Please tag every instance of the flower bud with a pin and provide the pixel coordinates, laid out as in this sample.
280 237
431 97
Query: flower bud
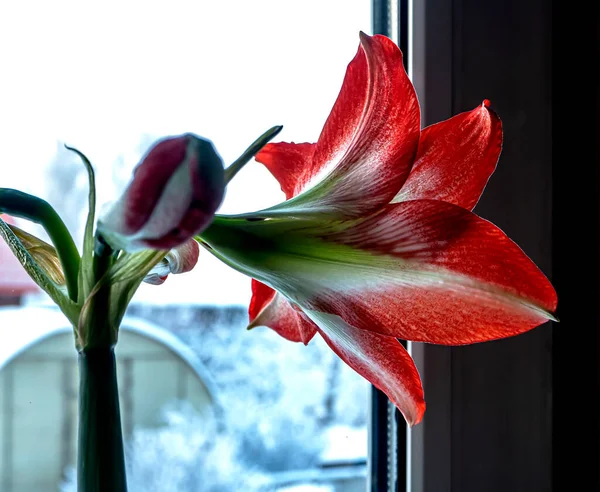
174 194
179 260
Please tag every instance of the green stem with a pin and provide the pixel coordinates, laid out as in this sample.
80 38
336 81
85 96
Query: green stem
100 460
19 204
250 152
98 332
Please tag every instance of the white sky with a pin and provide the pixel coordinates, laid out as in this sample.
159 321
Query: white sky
100 76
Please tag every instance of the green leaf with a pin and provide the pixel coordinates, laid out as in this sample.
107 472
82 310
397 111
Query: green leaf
33 208
45 254
38 274
124 277
86 274
134 266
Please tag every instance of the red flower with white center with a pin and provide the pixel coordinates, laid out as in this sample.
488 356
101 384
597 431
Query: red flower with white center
376 240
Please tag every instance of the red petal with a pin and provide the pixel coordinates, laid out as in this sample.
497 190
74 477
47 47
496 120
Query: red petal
455 159
154 279
150 178
380 359
183 258
368 144
193 222
288 163
445 276
262 295
373 130
207 177
269 308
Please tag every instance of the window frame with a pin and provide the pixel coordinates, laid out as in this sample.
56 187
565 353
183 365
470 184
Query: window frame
522 413
388 433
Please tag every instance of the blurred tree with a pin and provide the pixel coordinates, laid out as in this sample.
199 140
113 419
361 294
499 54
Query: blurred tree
277 397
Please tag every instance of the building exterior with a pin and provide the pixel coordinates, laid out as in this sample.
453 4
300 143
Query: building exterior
38 390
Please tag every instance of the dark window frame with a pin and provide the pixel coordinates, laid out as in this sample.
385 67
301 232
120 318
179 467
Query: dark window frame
521 414
387 456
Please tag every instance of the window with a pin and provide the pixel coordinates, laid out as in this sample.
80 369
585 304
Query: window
519 414
205 405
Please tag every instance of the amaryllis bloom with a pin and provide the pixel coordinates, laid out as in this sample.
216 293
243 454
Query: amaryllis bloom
181 259
174 194
376 241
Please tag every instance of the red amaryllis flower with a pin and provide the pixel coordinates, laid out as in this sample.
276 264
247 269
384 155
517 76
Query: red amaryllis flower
377 240
174 194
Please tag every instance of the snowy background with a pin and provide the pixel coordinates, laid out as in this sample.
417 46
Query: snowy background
110 79
295 416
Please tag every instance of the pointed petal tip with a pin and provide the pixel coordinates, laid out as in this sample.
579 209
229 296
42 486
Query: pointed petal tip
548 310
486 109
411 421
367 41
413 415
